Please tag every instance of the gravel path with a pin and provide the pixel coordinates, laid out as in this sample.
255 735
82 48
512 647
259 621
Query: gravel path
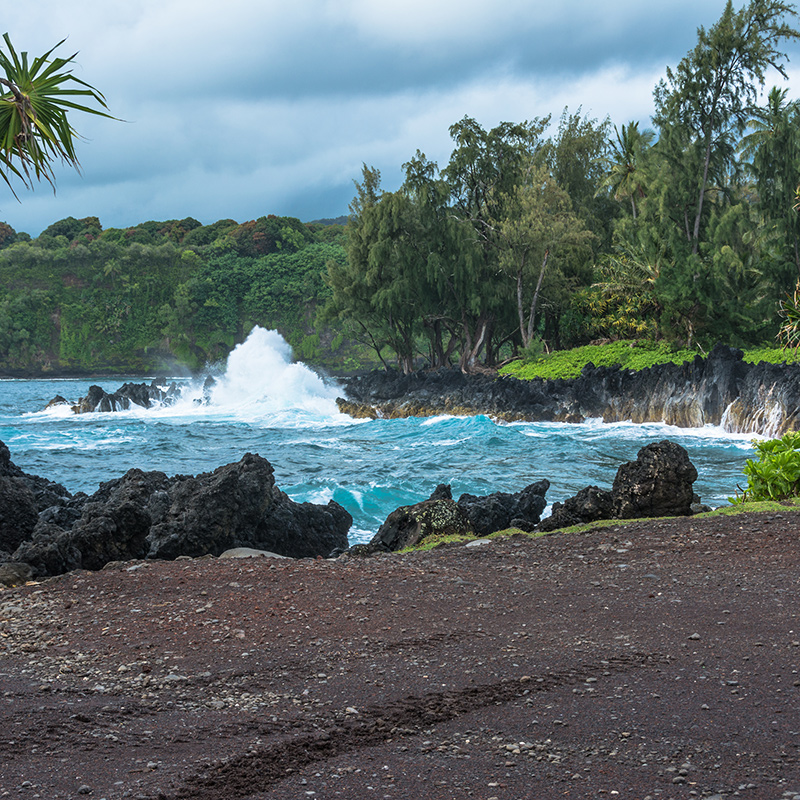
651 660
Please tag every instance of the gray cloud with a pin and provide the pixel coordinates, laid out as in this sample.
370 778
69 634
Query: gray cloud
245 108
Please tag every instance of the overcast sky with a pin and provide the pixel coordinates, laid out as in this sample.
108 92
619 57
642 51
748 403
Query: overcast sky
245 108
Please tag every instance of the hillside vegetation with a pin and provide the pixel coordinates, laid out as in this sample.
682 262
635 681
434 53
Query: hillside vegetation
161 295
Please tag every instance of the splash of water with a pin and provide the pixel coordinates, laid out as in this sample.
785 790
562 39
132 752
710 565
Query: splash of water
260 377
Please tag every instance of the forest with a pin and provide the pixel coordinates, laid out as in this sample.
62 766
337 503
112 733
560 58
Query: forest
535 236
160 296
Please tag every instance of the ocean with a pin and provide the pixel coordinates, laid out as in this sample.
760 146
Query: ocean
263 403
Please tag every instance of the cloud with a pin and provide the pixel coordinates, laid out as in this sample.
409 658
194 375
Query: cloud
251 107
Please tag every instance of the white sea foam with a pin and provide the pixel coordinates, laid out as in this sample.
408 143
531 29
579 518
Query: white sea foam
261 377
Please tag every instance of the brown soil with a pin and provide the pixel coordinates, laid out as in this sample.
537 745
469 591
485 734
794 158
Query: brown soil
655 660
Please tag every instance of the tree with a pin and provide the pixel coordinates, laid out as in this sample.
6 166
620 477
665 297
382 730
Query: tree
709 97
540 230
772 152
483 170
625 176
381 288
35 102
576 155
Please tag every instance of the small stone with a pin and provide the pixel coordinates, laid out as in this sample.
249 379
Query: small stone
84 789
695 636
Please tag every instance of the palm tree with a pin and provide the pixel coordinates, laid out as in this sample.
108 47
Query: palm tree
767 124
35 98
771 151
625 174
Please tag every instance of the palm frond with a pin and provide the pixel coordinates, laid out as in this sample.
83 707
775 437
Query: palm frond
35 100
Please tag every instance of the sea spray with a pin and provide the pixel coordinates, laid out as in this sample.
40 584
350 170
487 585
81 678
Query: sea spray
260 375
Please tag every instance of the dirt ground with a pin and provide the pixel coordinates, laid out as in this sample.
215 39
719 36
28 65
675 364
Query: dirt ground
654 660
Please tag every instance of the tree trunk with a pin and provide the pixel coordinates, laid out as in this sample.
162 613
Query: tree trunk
535 301
374 345
473 346
520 312
440 355
699 214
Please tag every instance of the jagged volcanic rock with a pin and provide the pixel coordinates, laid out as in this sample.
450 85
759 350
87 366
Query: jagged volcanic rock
409 525
22 498
129 394
658 484
148 515
588 505
501 510
440 515
718 390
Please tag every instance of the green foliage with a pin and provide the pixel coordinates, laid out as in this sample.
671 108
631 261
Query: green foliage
634 355
776 473
625 354
81 298
771 355
789 332
36 97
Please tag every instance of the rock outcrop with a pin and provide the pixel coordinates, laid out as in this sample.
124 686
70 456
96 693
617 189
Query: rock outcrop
472 515
719 390
22 498
588 505
407 526
148 515
658 484
501 510
129 394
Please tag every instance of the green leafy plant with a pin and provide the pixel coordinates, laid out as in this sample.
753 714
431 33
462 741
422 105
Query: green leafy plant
771 355
775 475
789 333
35 98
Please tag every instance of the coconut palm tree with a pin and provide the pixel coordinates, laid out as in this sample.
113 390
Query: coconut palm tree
35 99
771 151
625 175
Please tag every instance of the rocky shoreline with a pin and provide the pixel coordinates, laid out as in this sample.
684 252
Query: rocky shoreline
721 389
46 531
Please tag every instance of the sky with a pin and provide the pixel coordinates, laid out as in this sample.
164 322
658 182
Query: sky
244 108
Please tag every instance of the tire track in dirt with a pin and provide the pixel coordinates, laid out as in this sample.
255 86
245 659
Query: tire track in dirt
323 738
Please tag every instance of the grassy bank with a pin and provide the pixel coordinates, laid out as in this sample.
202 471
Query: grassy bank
627 354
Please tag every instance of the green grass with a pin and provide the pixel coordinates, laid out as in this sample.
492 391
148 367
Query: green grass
772 355
431 542
627 354
569 363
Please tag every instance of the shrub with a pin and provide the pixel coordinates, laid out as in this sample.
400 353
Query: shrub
776 473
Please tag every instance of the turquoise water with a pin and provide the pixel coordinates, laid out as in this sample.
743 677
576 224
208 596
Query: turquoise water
265 404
